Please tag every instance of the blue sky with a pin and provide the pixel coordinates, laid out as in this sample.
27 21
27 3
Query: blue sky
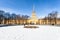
24 7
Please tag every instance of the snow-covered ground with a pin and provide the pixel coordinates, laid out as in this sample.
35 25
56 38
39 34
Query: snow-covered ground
44 32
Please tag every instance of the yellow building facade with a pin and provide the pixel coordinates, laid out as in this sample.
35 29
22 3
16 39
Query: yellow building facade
32 20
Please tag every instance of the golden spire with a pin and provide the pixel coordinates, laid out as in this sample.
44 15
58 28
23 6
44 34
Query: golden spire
33 13
33 17
33 9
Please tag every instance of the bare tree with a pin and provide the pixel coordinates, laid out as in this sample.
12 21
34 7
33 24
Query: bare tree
1 16
26 18
52 16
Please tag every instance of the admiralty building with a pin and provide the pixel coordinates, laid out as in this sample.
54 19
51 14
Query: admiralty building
33 20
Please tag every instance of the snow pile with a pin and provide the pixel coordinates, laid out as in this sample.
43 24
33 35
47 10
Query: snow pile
45 32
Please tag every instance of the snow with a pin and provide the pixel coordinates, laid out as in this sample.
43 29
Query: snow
44 32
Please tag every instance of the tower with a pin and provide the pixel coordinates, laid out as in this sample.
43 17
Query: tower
33 13
33 18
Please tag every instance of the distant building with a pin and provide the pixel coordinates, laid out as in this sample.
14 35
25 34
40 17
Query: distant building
33 20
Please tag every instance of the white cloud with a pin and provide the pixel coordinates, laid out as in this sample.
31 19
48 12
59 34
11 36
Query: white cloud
58 16
11 10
